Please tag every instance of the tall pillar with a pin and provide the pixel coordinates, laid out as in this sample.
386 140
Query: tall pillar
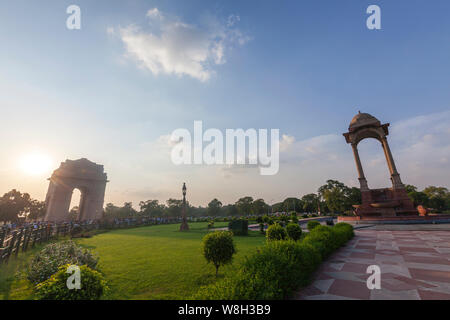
361 177
395 177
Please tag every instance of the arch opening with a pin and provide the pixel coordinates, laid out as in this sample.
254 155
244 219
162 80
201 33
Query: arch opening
373 161
76 205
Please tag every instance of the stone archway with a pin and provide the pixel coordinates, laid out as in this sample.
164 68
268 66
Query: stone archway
84 175
386 201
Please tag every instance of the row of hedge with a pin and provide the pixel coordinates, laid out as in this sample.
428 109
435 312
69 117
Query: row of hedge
279 267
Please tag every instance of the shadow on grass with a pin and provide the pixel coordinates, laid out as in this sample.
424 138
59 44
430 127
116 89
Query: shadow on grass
206 279
13 276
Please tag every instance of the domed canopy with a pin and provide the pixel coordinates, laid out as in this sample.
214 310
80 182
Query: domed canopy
363 119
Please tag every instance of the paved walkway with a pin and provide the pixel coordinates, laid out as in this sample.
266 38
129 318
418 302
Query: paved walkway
415 265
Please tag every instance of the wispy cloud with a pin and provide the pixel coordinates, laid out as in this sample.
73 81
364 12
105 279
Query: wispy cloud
170 46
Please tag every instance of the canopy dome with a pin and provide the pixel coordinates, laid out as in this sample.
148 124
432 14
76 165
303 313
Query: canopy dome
363 119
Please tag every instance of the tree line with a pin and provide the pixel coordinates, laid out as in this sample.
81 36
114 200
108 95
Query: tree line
334 197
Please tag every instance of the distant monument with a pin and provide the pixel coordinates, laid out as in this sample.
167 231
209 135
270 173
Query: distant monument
385 202
81 174
184 225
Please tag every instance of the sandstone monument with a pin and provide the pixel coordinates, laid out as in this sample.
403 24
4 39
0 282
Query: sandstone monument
81 174
386 202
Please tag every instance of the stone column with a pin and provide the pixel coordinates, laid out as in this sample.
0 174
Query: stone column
361 177
395 177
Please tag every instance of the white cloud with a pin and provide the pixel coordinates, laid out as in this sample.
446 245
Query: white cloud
173 47
154 13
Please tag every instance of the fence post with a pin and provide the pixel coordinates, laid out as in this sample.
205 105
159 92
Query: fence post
41 233
18 242
34 235
10 246
26 240
2 237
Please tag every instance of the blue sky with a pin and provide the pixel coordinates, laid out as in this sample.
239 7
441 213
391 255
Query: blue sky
305 67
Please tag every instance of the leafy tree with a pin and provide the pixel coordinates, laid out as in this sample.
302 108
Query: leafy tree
219 248
259 207
410 188
354 196
214 207
278 207
244 205
151 208
174 207
36 209
310 202
126 211
336 195
14 205
292 204
230 210
437 197
418 198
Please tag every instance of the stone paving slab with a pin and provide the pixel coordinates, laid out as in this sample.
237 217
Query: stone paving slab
415 265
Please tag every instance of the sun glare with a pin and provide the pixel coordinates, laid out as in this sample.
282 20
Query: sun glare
35 164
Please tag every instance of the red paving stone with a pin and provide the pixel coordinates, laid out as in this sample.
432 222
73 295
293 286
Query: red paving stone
415 248
349 289
365 247
355 267
427 260
360 255
433 295
430 275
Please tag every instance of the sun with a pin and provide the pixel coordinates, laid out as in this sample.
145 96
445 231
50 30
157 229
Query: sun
35 163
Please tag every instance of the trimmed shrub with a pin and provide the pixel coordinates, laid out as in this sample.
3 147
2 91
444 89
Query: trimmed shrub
343 232
294 232
276 232
323 239
278 268
294 218
93 286
211 224
285 219
218 248
238 227
273 272
55 255
312 224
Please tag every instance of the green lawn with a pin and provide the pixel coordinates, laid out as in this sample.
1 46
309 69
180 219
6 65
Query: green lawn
155 262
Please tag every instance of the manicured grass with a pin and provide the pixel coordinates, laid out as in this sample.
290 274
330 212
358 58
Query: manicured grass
159 262
13 283
155 262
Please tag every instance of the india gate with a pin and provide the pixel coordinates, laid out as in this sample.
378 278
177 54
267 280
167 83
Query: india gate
84 175
387 202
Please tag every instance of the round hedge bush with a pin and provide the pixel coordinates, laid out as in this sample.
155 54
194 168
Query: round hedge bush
55 255
93 286
276 232
218 248
312 224
294 231
323 238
